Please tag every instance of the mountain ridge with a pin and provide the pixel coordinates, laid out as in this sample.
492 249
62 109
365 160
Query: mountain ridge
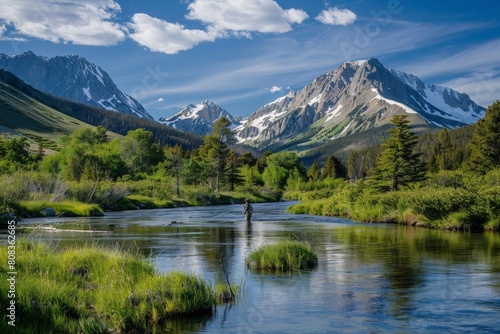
355 97
72 77
198 118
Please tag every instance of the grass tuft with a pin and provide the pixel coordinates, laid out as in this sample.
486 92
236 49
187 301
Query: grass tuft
285 255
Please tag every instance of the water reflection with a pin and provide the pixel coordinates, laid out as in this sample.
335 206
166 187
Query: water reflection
370 278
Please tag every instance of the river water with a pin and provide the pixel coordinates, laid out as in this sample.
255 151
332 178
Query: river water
370 278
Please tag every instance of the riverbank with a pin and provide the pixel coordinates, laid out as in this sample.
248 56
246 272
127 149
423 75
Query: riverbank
89 289
74 208
441 204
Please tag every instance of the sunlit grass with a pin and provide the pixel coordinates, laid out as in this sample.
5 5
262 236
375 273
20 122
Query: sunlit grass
65 208
95 290
283 256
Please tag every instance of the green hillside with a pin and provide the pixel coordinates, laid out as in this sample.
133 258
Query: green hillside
27 111
21 114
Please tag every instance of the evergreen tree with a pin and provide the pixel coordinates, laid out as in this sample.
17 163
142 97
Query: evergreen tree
233 170
334 168
398 165
215 149
485 143
444 148
314 173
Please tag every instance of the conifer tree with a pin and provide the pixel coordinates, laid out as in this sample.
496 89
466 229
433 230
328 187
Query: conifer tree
398 165
233 174
215 150
485 143
444 148
314 173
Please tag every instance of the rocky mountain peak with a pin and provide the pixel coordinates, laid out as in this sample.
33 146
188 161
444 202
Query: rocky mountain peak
72 77
356 96
198 118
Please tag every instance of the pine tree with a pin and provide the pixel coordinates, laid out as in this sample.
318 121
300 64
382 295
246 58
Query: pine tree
444 148
485 143
398 165
215 150
333 167
314 173
233 170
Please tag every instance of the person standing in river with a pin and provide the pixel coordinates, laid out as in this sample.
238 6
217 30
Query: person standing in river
247 211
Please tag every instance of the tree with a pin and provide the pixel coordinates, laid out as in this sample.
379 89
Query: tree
174 162
398 165
444 146
485 142
140 151
233 170
195 172
279 167
215 149
334 168
314 173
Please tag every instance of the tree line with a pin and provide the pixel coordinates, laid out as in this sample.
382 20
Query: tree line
90 157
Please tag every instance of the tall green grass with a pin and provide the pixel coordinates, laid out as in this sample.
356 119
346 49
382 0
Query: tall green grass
65 208
96 290
283 256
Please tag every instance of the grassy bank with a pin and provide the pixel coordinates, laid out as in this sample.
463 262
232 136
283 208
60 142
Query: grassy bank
283 256
472 204
63 208
96 290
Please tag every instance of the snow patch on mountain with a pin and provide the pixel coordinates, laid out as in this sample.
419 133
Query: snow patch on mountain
407 109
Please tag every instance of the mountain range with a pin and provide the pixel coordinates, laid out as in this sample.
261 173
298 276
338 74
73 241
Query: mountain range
355 98
353 104
199 118
72 77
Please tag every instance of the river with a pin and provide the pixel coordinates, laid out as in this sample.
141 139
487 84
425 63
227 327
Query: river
370 278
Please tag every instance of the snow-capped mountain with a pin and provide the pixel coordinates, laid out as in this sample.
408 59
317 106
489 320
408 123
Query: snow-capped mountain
199 118
356 97
72 77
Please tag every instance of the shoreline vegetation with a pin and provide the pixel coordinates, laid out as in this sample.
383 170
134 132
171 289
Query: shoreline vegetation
90 289
447 200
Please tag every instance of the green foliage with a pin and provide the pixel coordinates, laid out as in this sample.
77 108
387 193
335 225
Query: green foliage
285 255
314 173
398 165
215 150
140 152
62 208
449 200
232 171
280 166
92 288
485 147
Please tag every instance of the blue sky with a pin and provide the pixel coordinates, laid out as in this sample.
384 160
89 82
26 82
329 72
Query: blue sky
242 54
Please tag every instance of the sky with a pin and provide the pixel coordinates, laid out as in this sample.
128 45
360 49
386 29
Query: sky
242 54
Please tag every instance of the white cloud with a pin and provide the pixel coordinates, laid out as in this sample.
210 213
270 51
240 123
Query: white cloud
162 36
264 16
86 22
275 89
160 99
336 16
